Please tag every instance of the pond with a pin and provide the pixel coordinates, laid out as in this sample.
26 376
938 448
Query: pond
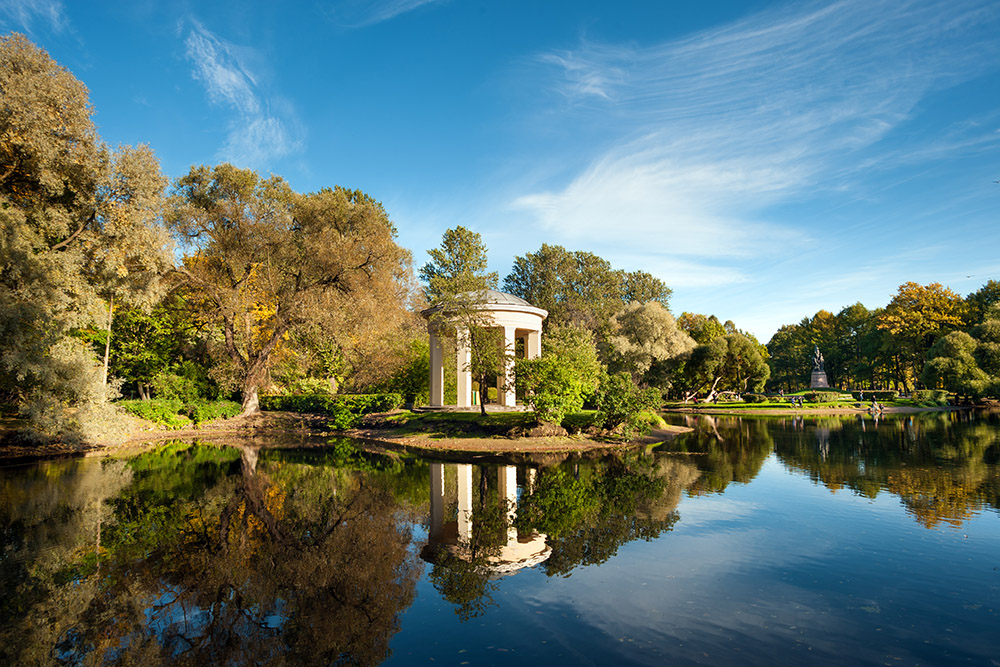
749 541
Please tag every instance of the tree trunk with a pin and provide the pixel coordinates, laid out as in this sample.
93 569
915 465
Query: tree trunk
107 342
251 402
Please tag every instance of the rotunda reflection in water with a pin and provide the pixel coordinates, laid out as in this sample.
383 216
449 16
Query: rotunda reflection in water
482 533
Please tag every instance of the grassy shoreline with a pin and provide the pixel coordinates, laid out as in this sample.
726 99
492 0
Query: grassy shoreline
438 433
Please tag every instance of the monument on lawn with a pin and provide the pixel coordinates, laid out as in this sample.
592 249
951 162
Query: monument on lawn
818 379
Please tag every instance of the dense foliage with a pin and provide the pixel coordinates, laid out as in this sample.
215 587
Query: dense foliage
926 337
568 372
344 408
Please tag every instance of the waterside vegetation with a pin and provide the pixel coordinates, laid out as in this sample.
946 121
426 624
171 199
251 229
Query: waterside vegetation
226 292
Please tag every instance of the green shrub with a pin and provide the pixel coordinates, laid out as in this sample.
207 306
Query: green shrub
202 411
754 398
311 386
174 413
930 397
650 420
187 381
345 409
821 396
875 395
162 411
619 402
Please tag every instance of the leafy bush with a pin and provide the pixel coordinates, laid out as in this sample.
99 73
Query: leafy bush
754 398
821 396
202 411
871 394
619 402
174 413
650 420
162 411
311 386
567 373
345 409
187 381
930 397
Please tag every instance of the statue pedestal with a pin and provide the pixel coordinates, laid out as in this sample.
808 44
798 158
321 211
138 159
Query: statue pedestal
819 381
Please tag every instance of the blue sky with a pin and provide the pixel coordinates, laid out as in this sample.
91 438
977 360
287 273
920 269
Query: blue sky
766 160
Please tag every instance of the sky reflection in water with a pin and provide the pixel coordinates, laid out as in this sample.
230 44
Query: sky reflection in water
770 541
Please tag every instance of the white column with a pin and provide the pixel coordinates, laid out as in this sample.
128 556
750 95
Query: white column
463 357
437 501
533 345
437 371
464 501
505 381
507 477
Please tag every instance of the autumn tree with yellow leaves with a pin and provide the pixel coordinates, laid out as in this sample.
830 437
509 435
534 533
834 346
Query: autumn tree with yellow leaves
263 262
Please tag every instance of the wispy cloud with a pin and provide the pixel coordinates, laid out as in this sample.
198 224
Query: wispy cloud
257 135
361 13
711 130
26 13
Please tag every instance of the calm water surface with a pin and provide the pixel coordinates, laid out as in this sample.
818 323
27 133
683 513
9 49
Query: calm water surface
749 541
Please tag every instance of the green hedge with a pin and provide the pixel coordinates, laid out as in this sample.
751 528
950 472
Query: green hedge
175 413
754 398
821 396
871 394
344 408
204 410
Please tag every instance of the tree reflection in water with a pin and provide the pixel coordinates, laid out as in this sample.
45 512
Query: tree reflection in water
215 556
941 465
568 515
198 554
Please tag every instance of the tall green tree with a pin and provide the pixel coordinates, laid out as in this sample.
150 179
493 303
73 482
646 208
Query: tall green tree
703 329
455 281
951 364
580 287
979 302
266 261
458 267
730 363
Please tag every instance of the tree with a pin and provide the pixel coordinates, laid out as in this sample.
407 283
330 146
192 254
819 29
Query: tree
80 228
456 281
988 351
951 364
916 317
457 267
644 335
730 363
579 287
701 328
980 301
266 261
568 371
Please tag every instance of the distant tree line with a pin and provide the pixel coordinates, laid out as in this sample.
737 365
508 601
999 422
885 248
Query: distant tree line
926 337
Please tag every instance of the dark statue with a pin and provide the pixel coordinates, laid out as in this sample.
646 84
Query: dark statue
817 360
